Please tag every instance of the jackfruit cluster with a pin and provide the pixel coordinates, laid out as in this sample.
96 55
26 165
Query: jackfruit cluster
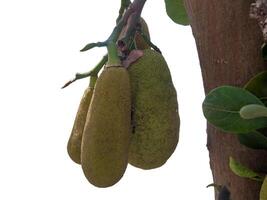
130 116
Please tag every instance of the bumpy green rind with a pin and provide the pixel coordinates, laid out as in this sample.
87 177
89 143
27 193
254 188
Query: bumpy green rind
155 115
139 40
75 140
107 131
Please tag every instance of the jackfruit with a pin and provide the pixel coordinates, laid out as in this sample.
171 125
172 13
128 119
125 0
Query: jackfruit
139 40
107 131
74 142
155 117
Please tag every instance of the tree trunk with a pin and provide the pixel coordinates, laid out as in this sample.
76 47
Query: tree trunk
228 44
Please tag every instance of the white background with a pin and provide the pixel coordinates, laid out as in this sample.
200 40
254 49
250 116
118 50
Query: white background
39 52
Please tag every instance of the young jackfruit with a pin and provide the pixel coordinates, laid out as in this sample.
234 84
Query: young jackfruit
107 131
74 143
155 116
139 40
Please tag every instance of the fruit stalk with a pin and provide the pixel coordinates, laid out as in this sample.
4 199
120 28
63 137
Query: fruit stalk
134 9
113 58
124 5
131 15
148 41
132 21
127 22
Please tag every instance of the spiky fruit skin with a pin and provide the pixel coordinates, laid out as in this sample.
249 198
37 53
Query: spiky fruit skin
155 116
75 140
107 132
139 41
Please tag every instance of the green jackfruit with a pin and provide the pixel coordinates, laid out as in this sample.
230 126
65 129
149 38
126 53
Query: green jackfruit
107 131
74 143
155 116
139 40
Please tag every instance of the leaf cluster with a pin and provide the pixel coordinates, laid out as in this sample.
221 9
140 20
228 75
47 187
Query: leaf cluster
243 112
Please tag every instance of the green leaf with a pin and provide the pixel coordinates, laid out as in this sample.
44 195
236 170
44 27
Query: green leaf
258 86
242 171
222 105
263 192
253 140
176 11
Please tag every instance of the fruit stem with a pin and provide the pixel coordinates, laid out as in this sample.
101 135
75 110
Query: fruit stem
113 58
132 15
99 66
130 30
129 12
148 41
124 5
93 80
93 72
133 18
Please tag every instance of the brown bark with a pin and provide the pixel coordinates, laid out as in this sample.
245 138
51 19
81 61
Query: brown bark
228 44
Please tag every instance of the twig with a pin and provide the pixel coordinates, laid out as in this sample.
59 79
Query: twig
93 45
93 72
133 12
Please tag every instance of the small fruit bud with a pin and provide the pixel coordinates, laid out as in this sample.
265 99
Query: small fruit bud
253 111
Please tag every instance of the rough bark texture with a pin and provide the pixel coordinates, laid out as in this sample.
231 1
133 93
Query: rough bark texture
258 11
228 44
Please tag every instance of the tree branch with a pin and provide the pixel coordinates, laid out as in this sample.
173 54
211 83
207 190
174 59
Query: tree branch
93 45
124 5
132 14
132 18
